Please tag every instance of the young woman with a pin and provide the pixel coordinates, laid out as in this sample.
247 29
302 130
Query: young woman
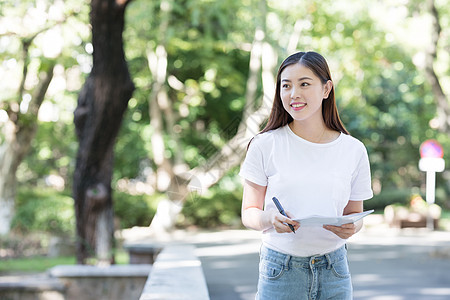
306 158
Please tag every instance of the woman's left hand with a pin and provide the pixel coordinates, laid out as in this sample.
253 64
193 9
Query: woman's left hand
344 231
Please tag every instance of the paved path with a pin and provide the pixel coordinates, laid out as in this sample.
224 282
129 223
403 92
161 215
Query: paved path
230 263
395 265
386 264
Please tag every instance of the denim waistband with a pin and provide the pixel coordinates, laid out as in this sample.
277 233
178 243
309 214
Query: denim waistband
317 260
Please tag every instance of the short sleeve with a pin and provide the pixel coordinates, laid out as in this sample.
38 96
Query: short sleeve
361 180
252 168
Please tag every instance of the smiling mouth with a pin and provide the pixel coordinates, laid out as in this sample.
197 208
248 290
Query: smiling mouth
298 105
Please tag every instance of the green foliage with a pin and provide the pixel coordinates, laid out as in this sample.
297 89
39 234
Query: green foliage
217 209
135 210
52 151
48 210
387 197
202 55
219 206
401 196
382 92
44 210
133 135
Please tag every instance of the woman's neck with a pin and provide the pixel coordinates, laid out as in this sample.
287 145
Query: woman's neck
316 133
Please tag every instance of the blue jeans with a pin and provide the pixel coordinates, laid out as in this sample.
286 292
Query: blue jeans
284 277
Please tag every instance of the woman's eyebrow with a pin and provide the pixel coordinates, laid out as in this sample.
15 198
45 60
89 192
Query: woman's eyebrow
300 79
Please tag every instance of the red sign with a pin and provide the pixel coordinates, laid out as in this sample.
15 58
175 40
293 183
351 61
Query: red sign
431 148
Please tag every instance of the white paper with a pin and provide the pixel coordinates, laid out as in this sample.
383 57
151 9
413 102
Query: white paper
337 221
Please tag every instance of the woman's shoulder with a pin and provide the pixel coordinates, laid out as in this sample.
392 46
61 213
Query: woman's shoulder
353 143
266 138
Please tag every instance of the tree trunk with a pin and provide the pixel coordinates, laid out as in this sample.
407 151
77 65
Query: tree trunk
443 109
18 132
98 116
167 177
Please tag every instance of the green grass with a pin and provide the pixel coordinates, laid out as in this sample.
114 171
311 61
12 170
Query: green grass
34 264
42 263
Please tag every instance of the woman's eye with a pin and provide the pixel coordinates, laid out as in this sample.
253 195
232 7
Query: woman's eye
304 84
285 86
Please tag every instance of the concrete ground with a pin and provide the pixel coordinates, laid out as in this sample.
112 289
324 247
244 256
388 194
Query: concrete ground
386 264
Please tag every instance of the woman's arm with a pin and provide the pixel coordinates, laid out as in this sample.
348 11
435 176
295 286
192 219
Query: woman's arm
255 217
347 230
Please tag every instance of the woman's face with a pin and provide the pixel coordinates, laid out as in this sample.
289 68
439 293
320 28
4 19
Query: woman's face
302 92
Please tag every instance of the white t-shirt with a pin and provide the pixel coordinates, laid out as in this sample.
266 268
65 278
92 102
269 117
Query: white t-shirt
308 179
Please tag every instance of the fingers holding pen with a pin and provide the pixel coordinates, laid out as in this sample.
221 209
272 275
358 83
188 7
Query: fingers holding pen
280 222
288 225
295 224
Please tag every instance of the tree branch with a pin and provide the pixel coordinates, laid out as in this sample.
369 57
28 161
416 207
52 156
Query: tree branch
49 26
41 89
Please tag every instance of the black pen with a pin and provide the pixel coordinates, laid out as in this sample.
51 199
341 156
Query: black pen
281 210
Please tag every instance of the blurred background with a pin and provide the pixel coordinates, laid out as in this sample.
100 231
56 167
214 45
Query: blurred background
204 72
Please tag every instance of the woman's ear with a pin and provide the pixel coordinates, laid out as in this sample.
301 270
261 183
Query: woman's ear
327 89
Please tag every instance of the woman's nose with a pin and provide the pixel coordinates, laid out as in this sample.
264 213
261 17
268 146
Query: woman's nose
295 94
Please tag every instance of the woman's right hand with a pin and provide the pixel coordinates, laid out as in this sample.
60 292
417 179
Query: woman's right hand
255 217
279 222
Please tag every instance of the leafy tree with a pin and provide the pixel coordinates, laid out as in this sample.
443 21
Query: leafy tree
25 91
